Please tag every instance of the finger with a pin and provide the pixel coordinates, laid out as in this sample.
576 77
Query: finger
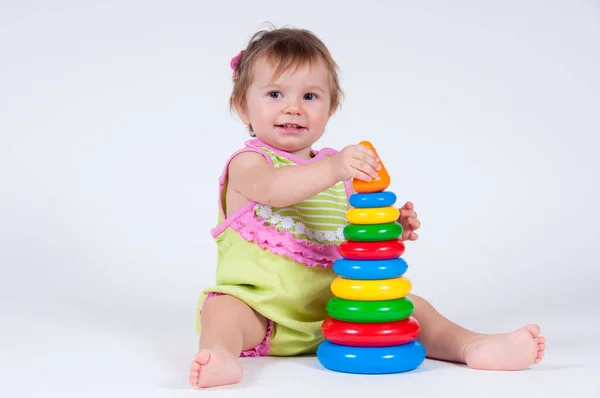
360 175
366 168
409 235
408 206
362 148
408 213
365 154
414 223
368 157
410 224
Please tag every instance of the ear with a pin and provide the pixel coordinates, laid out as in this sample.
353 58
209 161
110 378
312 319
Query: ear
333 110
241 111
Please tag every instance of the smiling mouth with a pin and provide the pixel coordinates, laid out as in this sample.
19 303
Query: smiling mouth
290 126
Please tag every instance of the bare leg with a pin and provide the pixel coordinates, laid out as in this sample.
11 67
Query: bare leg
229 326
447 341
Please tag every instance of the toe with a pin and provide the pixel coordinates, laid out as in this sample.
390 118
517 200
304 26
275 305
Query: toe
541 346
538 356
194 379
202 357
541 339
195 366
534 330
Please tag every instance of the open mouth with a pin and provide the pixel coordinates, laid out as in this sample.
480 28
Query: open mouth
290 127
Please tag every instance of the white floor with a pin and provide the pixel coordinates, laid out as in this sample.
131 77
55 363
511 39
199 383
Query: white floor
62 348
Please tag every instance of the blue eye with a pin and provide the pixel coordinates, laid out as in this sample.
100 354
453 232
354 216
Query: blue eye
274 94
310 96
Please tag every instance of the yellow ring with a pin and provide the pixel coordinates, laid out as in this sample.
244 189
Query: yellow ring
372 215
371 290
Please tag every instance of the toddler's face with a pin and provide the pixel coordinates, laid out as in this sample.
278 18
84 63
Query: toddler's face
291 112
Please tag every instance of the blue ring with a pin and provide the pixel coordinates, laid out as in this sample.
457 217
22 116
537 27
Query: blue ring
371 360
370 269
370 200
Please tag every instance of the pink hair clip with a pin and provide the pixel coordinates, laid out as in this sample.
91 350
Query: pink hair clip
233 64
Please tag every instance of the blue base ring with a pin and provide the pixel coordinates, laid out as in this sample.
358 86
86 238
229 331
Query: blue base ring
371 360
375 199
370 269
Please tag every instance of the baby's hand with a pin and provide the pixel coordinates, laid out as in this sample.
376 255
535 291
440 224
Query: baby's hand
409 221
356 161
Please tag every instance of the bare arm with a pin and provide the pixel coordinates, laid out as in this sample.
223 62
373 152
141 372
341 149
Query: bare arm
252 177
255 179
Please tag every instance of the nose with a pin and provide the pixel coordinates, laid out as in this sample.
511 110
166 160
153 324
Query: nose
293 107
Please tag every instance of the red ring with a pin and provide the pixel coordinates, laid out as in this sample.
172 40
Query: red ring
378 250
383 334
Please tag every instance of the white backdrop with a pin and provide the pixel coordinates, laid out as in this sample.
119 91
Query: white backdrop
114 127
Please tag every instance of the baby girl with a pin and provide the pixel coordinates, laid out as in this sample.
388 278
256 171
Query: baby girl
282 206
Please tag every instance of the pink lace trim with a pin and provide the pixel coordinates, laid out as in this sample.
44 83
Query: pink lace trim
284 243
260 350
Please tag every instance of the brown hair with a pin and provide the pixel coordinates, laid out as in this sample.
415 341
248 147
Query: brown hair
286 48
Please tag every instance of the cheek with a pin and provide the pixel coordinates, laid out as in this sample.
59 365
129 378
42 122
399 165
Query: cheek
320 113
261 112
268 108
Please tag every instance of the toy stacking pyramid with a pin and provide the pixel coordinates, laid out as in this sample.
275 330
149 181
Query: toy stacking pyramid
370 328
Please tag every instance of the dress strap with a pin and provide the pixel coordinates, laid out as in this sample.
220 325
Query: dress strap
348 186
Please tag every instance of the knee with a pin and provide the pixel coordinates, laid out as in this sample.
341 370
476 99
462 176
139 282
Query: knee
418 300
415 297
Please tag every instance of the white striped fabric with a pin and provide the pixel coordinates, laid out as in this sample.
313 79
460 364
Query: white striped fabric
320 219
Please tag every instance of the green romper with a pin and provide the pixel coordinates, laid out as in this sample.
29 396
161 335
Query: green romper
279 260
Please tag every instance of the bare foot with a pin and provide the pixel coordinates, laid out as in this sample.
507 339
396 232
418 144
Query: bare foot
215 367
509 351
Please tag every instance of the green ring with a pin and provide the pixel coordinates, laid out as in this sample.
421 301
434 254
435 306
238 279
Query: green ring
373 232
370 311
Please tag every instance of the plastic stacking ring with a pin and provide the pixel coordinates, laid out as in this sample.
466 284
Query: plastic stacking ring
373 232
382 289
383 250
376 215
370 334
370 269
371 360
370 311
375 199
